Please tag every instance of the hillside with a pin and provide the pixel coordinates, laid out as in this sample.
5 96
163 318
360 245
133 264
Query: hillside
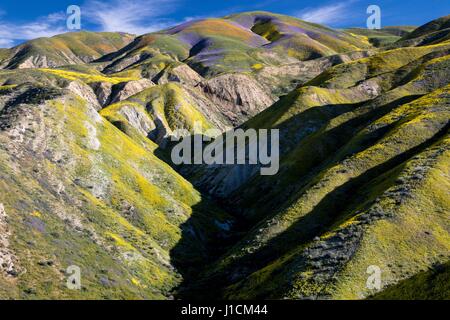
88 195
86 121
236 43
384 36
427 285
374 130
440 24
69 48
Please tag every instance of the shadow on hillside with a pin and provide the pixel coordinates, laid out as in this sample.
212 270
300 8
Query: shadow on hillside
317 151
333 207
205 236
202 242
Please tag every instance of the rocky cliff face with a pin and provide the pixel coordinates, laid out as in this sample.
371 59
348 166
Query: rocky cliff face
181 73
240 97
125 90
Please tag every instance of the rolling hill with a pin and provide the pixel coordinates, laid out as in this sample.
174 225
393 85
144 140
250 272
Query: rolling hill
384 36
69 48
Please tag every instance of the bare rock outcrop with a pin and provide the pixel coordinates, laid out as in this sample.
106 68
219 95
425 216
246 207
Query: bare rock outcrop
34 62
239 96
123 91
284 78
83 90
182 74
103 92
7 258
138 118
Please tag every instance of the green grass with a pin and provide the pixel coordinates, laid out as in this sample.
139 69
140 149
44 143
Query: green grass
362 149
108 179
88 78
167 103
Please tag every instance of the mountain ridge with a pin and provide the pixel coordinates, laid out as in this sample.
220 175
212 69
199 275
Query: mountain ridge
68 48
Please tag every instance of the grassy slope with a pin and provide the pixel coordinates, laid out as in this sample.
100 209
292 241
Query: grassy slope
433 26
150 54
426 285
61 77
214 46
68 48
86 194
434 32
276 26
337 147
167 103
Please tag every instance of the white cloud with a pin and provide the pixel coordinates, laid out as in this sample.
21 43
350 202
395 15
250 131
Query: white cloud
328 14
6 43
138 16
56 17
42 27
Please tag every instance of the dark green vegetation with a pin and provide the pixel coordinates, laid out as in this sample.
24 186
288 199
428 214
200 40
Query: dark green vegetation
86 178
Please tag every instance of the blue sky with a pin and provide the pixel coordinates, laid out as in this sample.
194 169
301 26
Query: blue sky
24 20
